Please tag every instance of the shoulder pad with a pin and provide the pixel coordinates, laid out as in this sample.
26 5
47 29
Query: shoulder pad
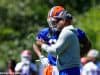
80 33
42 34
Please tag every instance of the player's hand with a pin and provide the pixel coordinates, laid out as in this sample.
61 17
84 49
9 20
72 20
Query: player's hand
44 61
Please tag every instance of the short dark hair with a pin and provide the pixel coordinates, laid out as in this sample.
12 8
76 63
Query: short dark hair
12 64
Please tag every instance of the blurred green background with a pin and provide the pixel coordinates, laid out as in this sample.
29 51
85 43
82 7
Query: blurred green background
20 20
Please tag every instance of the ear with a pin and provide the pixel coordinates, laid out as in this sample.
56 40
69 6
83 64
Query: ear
68 22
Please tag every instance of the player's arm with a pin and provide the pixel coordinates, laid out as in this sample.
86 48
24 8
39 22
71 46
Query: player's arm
59 46
43 59
37 50
41 35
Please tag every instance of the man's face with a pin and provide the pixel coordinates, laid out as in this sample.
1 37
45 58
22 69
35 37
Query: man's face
60 23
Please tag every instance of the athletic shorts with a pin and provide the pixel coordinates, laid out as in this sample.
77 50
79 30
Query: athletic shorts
50 70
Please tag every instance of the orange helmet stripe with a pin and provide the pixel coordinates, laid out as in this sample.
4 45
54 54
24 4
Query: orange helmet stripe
55 11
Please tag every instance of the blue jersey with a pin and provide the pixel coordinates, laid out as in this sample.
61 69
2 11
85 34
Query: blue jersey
49 37
80 33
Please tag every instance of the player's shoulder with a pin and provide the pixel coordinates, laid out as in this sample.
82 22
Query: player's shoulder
44 30
89 66
80 30
19 64
80 33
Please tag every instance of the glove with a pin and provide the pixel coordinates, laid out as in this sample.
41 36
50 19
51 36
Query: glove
44 61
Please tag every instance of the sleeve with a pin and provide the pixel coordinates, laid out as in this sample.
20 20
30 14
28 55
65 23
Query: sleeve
43 35
60 45
40 35
18 67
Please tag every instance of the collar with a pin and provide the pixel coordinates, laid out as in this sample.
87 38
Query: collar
69 27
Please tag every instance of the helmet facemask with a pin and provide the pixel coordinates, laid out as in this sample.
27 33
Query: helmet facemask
52 23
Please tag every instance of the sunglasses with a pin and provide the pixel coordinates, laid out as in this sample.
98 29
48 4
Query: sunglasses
54 21
58 19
